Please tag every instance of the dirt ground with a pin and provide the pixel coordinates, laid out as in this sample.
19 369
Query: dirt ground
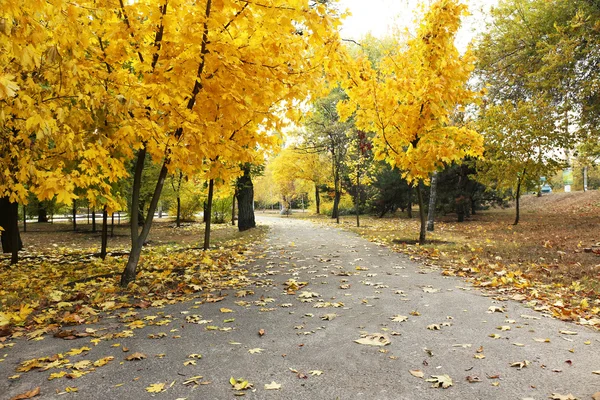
50 236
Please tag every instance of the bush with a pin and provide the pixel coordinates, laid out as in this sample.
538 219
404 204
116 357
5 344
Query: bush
346 206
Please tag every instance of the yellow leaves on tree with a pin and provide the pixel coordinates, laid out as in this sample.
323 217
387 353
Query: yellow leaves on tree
409 97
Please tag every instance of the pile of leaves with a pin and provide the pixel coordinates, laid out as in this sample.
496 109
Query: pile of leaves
49 290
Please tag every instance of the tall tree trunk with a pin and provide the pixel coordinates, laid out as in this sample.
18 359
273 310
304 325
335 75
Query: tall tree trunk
432 199
335 213
585 179
208 216
9 221
74 215
518 198
112 225
93 219
42 212
409 208
204 211
137 240
104 233
179 211
245 198
423 231
357 200
24 218
233 209
317 199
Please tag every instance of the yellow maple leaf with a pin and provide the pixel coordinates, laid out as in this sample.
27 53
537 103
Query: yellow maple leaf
155 388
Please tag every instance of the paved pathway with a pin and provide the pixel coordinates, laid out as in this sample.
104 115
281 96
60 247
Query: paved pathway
354 288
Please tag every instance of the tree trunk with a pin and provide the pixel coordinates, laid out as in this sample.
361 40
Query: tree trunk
432 199
233 209
74 215
112 225
335 212
24 218
585 179
208 216
245 197
204 211
104 233
9 221
42 213
423 230
317 199
518 198
93 219
409 210
357 200
179 211
137 240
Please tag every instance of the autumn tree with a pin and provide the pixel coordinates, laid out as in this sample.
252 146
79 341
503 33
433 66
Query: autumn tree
521 146
408 99
327 134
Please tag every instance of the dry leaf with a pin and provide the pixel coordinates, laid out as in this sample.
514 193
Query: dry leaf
520 364
417 373
596 396
328 317
155 388
27 395
566 332
443 381
493 309
261 332
315 372
556 396
255 351
272 386
433 327
135 356
375 339
473 379
399 318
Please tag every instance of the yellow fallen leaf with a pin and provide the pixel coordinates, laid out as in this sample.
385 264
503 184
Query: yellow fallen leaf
155 388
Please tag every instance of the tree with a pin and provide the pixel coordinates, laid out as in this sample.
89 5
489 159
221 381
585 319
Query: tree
245 197
328 134
522 145
407 101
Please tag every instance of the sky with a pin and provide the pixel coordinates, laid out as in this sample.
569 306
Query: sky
379 17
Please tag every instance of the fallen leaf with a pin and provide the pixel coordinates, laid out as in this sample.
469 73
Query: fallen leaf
315 372
399 318
473 379
479 356
375 339
542 340
417 373
519 344
596 372
556 396
520 364
226 310
566 332
255 351
443 381
596 396
135 356
27 395
493 309
83 364
240 383
495 336
433 327
272 386
261 332
155 388
195 355
328 317
189 362
193 380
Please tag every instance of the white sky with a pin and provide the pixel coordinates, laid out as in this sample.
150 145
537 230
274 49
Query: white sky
379 17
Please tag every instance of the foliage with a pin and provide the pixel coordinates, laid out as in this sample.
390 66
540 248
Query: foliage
346 206
392 191
408 100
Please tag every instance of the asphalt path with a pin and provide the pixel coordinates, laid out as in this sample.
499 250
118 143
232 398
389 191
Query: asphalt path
302 339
